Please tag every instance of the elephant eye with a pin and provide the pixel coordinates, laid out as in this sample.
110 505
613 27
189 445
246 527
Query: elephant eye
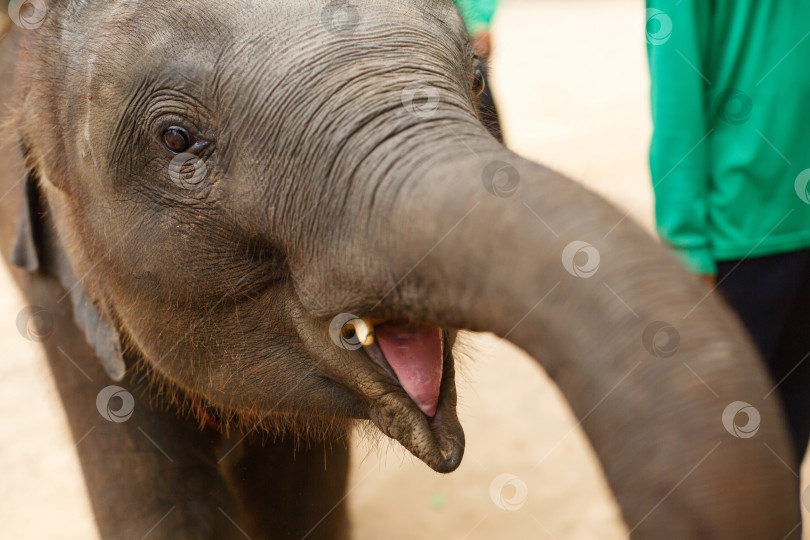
177 139
478 81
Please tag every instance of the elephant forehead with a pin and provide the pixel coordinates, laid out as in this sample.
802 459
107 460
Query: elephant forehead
122 40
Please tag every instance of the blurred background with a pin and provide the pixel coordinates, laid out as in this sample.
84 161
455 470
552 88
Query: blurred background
570 78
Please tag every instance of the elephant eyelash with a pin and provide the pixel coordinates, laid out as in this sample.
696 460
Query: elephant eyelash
197 142
155 127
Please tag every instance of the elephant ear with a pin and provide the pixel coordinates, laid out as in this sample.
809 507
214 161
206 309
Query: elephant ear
26 252
38 249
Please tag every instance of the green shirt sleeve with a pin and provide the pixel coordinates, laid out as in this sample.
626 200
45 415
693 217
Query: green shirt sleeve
677 31
477 14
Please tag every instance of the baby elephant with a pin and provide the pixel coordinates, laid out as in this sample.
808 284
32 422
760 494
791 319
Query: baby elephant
245 226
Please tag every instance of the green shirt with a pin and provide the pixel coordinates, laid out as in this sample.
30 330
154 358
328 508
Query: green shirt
730 152
477 14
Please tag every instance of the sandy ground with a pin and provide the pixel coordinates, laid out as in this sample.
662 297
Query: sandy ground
572 85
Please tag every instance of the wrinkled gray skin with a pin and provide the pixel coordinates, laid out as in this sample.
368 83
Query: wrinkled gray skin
325 194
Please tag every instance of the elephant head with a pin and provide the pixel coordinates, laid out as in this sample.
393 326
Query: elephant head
288 209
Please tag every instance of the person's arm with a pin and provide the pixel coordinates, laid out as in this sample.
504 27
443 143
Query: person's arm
677 32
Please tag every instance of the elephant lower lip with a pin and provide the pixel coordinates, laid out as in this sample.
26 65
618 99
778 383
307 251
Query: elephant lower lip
438 439
375 353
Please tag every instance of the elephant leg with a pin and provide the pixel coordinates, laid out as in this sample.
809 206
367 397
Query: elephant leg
150 474
288 490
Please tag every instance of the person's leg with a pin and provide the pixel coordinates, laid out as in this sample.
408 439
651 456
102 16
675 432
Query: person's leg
792 359
771 295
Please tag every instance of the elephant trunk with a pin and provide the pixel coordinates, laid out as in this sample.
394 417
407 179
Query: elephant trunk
654 367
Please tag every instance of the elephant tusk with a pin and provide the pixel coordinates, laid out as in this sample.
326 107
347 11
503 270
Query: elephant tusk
363 329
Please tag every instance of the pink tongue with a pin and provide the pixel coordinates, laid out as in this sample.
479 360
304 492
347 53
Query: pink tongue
415 354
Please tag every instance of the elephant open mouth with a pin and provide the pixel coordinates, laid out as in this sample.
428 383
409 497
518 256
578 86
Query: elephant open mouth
421 412
410 353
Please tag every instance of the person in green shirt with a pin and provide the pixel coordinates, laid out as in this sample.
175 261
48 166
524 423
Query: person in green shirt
478 16
730 164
